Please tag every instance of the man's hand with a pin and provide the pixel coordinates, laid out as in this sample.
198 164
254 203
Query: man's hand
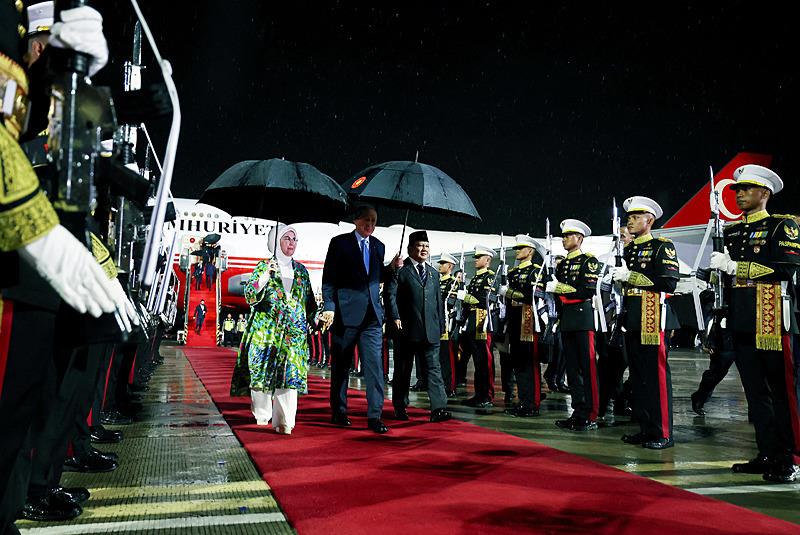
723 262
81 29
398 324
397 262
461 294
621 274
550 287
503 290
327 319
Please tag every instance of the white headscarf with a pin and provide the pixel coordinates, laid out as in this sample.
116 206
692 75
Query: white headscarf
284 262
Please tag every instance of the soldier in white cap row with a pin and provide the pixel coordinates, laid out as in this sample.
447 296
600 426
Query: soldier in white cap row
448 347
651 271
523 340
476 341
574 285
760 264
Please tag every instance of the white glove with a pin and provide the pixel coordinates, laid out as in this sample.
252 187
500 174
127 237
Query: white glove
608 277
126 309
81 29
550 287
723 262
68 266
621 274
503 290
461 294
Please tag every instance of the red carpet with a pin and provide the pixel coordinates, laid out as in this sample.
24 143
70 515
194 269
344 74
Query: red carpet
451 478
208 334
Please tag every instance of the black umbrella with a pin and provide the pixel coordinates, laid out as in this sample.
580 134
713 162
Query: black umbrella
212 238
277 189
413 186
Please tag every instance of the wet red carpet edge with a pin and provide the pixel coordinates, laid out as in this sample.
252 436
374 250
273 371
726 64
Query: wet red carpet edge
453 477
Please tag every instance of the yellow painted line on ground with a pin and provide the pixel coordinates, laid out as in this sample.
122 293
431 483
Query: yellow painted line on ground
111 493
681 465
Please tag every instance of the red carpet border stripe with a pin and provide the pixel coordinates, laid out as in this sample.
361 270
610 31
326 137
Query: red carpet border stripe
451 478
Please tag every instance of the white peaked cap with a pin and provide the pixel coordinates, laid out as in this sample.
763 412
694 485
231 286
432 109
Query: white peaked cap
523 240
40 17
446 257
575 225
482 250
757 175
642 204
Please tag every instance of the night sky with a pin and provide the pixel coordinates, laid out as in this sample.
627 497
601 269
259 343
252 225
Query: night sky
535 111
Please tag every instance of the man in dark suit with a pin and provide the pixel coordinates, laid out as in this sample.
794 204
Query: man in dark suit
199 316
353 310
416 308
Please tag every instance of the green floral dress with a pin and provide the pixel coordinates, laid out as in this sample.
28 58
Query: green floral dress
274 349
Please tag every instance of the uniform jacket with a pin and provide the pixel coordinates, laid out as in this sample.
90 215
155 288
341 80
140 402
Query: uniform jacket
476 302
521 279
653 263
577 275
418 306
347 289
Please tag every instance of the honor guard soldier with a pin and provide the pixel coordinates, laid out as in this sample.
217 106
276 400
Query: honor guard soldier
651 270
476 340
241 326
574 284
760 265
523 339
448 348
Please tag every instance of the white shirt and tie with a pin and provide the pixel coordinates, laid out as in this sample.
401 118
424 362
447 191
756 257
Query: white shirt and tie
422 272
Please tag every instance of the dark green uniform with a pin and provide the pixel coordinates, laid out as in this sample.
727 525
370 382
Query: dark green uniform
653 263
477 340
448 286
766 249
577 274
523 340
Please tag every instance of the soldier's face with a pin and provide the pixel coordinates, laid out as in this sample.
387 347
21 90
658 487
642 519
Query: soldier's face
419 251
749 198
445 268
365 225
482 261
639 223
524 253
571 241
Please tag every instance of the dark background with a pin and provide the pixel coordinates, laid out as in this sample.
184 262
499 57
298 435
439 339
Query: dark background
536 111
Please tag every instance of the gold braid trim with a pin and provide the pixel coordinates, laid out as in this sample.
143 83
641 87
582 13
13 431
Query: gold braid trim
638 279
651 318
752 270
470 300
514 294
445 336
562 288
480 322
11 71
526 329
768 315
26 223
103 257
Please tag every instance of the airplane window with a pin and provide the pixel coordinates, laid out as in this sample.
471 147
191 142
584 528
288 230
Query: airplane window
194 214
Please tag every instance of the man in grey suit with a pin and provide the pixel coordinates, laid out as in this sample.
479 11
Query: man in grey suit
416 308
353 310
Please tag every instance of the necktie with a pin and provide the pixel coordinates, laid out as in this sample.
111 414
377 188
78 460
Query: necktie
422 272
365 254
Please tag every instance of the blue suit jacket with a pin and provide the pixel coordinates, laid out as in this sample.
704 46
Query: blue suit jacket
346 288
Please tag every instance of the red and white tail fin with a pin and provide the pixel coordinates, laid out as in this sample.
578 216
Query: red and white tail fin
697 209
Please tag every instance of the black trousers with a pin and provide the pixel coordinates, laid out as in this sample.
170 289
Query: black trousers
770 381
507 376
421 369
29 369
527 371
611 365
405 354
481 353
652 385
448 350
581 360
557 368
718 366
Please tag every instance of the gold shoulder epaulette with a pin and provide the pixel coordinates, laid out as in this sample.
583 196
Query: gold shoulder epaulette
665 240
490 272
590 255
784 216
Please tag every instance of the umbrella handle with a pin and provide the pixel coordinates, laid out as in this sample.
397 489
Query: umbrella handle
403 236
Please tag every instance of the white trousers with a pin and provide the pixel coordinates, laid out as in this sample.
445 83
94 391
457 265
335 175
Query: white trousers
281 407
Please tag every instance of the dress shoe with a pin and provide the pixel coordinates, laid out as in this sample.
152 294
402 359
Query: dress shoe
76 495
524 412
697 405
101 435
658 443
341 419
400 414
376 425
115 418
441 415
90 463
451 393
419 387
508 399
782 473
461 384
564 389
110 455
50 508
542 396
637 438
580 426
760 465
566 423
139 388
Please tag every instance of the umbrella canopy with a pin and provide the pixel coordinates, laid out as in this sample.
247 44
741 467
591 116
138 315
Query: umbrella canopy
212 238
411 186
290 192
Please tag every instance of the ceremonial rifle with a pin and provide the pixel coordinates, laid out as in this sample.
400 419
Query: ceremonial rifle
459 319
714 337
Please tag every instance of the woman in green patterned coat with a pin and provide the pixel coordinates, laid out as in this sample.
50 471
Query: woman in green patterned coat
273 356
